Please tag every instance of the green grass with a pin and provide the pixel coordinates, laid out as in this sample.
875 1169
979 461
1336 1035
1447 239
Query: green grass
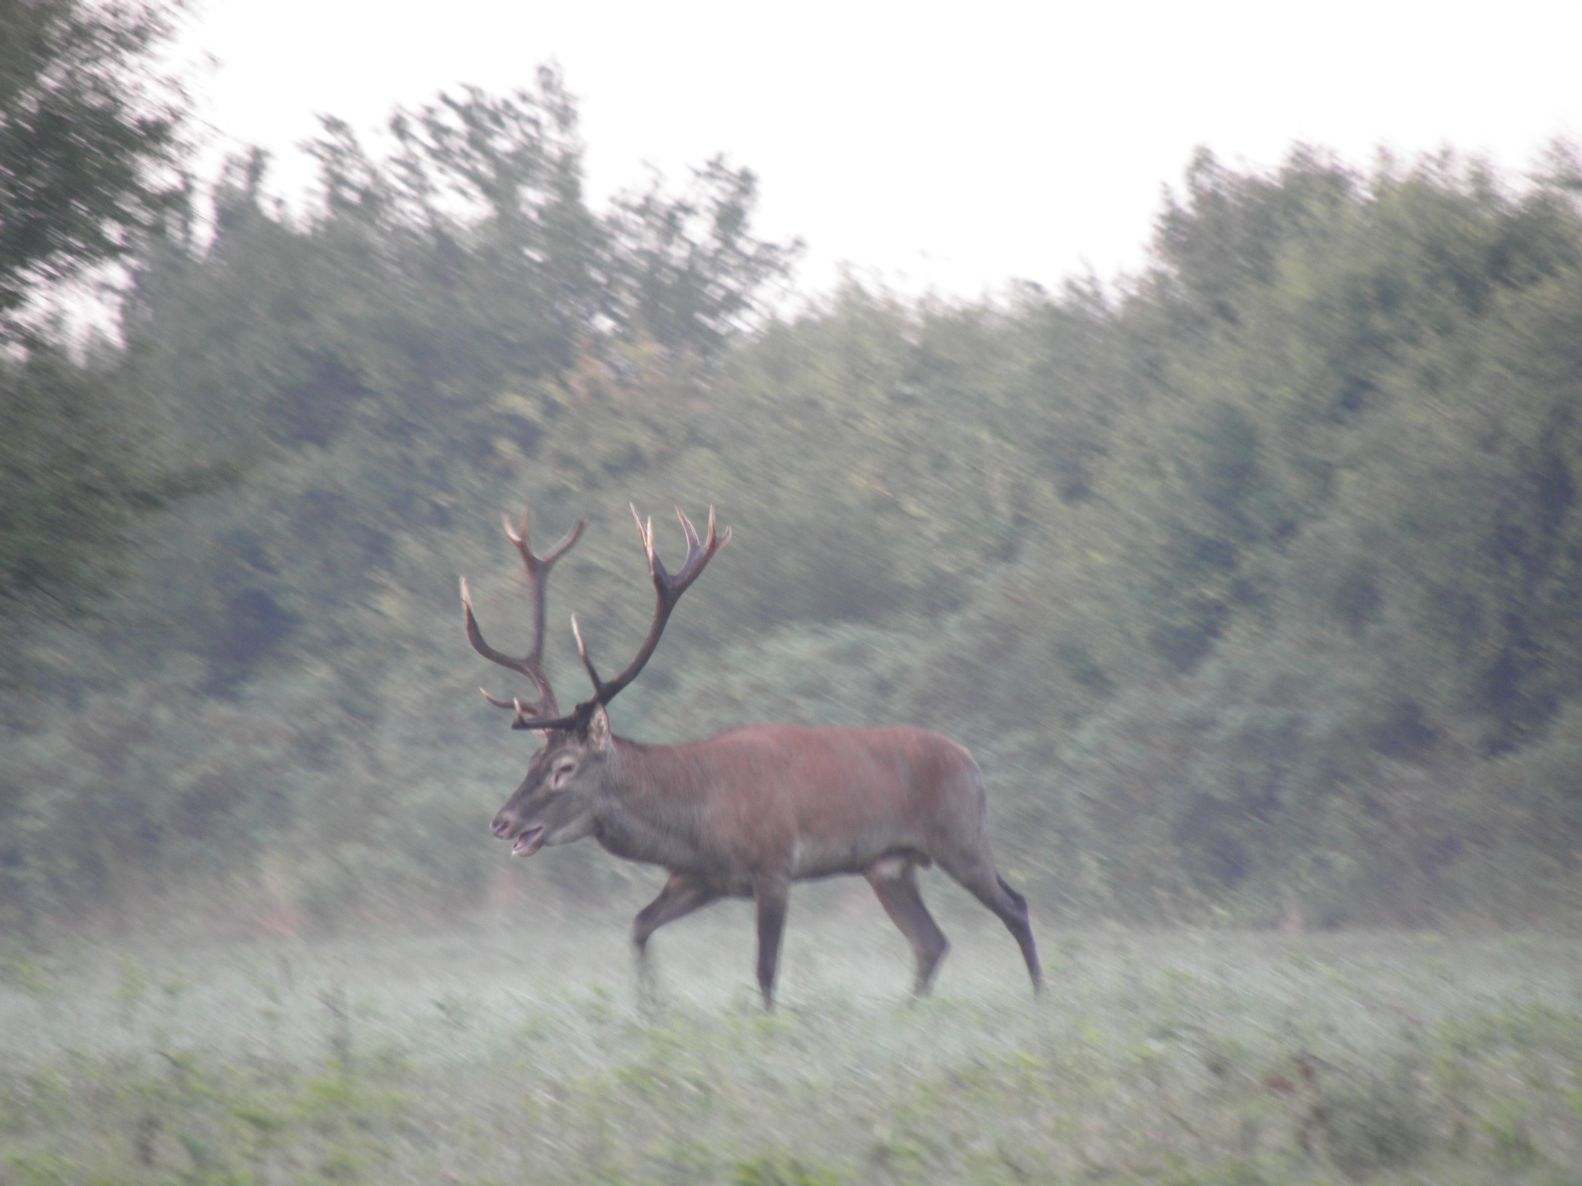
517 1052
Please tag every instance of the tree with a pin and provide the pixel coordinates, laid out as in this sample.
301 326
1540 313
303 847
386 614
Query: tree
90 142
90 135
686 270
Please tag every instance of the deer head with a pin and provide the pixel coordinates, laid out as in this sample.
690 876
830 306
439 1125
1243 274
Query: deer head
558 799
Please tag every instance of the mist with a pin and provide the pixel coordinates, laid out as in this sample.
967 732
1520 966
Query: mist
1196 566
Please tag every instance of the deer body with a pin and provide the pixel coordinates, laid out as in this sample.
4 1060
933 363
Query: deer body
750 811
789 800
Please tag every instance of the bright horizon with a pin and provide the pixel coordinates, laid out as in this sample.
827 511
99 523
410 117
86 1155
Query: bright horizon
934 155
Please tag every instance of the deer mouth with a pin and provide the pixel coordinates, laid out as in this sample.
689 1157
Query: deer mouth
528 842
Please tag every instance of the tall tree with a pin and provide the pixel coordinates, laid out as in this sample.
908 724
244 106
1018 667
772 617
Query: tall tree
90 135
685 269
90 142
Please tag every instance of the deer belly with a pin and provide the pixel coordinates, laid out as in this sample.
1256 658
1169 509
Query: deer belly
827 856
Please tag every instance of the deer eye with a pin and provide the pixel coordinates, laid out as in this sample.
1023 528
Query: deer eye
560 774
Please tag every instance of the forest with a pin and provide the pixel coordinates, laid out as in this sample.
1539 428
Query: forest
1251 578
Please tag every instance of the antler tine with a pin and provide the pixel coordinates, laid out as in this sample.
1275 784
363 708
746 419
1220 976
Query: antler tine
475 636
531 665
699 552
645 536
690 531
519 717
537 568
582 653
667 591
495 700
519 538
566 543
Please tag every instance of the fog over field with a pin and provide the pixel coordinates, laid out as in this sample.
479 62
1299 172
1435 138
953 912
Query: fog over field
1191 537
511 1053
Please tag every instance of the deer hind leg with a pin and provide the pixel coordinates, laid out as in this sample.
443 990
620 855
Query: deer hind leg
770 895
894 880
977 875
680 897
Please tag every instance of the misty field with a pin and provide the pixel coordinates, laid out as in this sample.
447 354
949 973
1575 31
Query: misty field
521 1052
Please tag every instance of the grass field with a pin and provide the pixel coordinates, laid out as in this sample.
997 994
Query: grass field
518 1052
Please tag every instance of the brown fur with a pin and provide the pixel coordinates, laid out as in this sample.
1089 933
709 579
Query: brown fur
751 810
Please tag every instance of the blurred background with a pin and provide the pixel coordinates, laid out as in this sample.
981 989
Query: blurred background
1234 526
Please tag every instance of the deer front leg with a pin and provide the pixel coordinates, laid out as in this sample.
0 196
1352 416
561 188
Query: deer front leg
770 894
680 897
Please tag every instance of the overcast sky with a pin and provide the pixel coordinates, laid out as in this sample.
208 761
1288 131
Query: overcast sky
950 148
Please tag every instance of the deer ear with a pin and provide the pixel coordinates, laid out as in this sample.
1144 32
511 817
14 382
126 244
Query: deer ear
599 728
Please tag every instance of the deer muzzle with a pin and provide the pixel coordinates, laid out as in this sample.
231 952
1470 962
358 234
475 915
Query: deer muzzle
528 842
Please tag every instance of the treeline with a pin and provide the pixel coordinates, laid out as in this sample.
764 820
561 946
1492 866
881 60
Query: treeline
1252 579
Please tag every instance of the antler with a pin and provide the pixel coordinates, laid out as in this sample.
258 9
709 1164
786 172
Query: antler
530 665
667 590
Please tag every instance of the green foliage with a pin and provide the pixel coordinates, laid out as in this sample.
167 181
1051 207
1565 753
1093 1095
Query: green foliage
89 136
685 271
1253 581
1379 1122
61 489
780 1171
77 470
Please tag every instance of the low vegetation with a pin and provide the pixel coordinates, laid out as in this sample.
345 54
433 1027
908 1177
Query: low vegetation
518 1052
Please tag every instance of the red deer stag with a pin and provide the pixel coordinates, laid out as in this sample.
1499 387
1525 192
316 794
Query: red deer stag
749 811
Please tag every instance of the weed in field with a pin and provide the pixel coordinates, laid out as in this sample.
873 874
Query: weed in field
1158 1058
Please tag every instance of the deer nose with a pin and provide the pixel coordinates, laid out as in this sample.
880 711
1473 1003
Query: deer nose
501 826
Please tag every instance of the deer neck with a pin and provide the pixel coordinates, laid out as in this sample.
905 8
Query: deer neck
650 809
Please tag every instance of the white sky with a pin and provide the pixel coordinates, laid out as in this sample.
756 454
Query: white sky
943 147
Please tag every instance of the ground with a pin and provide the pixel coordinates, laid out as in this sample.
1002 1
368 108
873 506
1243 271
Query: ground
517 1050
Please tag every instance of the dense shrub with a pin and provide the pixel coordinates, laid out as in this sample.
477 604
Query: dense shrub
1253 581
